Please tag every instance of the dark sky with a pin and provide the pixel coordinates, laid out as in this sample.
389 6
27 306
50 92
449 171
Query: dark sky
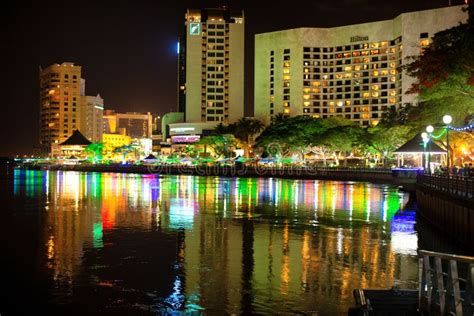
127 49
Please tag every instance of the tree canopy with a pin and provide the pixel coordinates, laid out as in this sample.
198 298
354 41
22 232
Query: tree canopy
445 77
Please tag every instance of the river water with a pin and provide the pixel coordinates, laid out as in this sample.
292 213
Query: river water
108 243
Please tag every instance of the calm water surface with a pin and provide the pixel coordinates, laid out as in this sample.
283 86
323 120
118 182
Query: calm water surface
144 244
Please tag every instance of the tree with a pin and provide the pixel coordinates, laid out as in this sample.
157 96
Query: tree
243 130
445 77
384 140
342 139
222 145
298 135
95 151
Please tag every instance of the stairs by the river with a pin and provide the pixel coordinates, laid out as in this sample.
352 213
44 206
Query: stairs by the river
446 287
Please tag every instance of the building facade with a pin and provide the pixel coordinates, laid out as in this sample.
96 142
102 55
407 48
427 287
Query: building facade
91 120
211 66
135 125
170 118
60 97
349 71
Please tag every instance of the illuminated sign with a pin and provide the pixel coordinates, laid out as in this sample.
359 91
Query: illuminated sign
359 38
185 139
194 28
181 129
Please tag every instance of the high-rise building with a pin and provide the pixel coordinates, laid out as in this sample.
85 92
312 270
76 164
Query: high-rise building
349 71
211 66
60 97
91 122
135 125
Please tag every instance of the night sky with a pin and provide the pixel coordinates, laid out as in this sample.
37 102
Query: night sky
127 49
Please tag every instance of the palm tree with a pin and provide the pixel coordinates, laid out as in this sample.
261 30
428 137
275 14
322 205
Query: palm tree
245 128
279 118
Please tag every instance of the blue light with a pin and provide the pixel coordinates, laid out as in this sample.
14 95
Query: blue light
177 48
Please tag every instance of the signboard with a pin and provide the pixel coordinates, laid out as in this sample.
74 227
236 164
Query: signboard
180 139
195 28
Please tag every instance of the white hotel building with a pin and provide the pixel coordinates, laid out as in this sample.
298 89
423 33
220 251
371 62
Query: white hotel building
350 71
211 66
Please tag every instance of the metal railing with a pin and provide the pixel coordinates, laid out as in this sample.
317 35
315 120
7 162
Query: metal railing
453 185
446 283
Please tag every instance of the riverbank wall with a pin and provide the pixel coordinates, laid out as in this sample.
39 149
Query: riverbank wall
448 204
339 174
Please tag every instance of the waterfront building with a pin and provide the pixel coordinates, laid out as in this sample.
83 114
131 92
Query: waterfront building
112 141
183 134
348 71
73 147
91 121
59 98
211 66
170 118
133 124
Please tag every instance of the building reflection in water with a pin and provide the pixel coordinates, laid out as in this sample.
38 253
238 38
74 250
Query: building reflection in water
241 245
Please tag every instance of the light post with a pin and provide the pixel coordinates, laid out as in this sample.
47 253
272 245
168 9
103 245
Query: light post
424 136
430 130
447 119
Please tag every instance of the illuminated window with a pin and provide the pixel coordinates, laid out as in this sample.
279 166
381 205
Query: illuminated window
348 102
375 87
365 95
286 64
347 68
286 104
392 79
391 100
286 70
286 77
339 103
306 103
287 111
316 83
306 96
393 93
425 42
374 45
375 94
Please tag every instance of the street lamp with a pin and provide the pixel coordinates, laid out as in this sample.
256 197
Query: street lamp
424 136
430 130
447 119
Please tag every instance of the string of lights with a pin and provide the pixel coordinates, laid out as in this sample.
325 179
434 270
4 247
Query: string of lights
462 129
441 134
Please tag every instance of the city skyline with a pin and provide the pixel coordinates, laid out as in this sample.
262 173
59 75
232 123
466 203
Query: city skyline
145 36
